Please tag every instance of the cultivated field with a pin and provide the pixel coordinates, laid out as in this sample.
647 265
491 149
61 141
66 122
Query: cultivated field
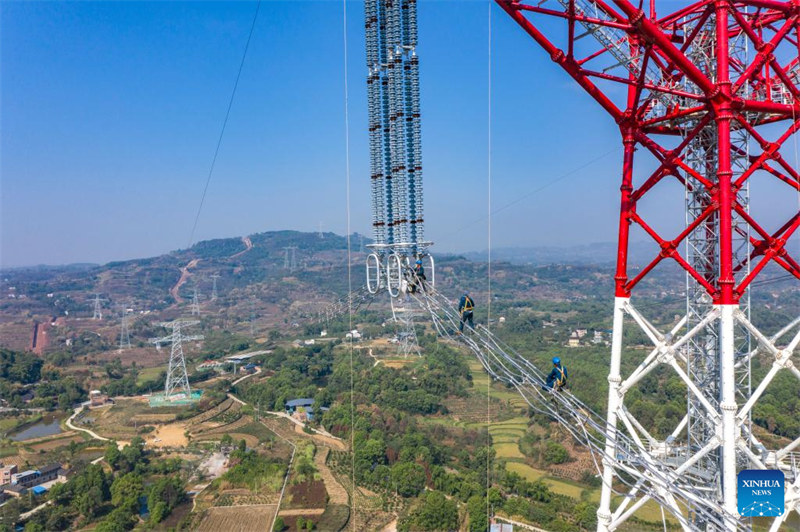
255 518
121 420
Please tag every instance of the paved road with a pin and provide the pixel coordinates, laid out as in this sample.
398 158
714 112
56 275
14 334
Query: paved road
89 432
24 516
240 379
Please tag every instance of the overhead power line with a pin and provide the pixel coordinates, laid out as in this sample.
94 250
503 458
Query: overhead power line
224 124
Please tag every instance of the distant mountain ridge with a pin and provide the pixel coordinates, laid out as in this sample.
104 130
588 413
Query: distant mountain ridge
600 253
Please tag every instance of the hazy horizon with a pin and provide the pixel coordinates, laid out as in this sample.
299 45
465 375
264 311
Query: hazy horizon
111 112
435 250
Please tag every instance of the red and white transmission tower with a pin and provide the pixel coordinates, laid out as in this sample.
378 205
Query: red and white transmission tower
709 95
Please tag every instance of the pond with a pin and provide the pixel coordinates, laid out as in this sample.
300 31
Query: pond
46 427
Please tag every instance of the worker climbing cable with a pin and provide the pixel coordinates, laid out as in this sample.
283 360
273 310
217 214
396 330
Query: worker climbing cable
557 379
466 307
419 275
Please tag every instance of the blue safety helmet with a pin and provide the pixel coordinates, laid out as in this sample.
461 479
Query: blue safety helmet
419 261
556 360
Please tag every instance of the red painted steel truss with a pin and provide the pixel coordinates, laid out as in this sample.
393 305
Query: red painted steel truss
668 99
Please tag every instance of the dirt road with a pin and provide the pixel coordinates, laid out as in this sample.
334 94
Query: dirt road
249 245
336 492
184 276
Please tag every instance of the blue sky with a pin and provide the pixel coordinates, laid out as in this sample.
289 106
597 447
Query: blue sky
111 113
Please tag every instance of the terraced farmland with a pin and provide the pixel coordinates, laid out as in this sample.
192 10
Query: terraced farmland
254 518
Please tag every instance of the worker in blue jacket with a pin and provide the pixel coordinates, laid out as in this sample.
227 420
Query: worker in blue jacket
465 308
558 376
419 275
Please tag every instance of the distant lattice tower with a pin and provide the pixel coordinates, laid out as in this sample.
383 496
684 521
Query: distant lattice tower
214 278
195 302
403 313
290 258
177 376
97 307
124 329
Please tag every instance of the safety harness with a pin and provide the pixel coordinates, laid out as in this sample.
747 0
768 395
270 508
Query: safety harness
562 380
468 304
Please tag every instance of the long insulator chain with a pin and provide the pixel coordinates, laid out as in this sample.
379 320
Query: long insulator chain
374 120
412 123
394 122
397 122
417 147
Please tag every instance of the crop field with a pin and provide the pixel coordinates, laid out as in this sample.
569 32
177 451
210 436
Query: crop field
498 391
212 413
120 420
508 450
149 374
334 518
396 362
55 443
556 486
252 441
255 518
258 430
242 497
142 419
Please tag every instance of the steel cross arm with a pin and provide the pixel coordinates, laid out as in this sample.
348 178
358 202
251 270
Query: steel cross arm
512 7
672 18
783 7
649 86
621 25
762 106
764 49
649 31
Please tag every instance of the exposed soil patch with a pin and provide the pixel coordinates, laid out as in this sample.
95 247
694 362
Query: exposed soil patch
172 435
309 494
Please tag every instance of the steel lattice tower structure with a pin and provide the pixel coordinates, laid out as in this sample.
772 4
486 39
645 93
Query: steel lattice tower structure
124 329
214 278
97 307
290 258
195 302
708 95
177 377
